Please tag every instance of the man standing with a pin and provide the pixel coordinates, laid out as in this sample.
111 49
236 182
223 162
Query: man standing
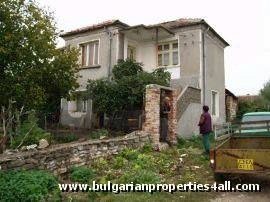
205 125
165 110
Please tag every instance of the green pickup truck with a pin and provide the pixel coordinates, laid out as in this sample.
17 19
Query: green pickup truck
246 148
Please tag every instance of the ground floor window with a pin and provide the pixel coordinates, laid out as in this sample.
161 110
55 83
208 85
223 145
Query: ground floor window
214 103
81 105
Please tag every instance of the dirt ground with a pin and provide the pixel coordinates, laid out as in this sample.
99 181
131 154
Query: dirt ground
263 196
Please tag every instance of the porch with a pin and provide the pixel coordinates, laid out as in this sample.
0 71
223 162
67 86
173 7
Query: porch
153 46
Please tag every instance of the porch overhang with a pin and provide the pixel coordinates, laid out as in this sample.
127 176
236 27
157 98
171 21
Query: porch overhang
147 33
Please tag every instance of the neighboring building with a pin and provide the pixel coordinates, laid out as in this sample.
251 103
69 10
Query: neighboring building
231 102
190 49
248 98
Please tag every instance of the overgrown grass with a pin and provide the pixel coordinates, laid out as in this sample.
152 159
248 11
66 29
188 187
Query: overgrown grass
65 138
28 186
182 164
195 142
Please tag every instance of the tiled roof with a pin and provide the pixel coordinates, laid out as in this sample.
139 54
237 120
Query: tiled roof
181 22
185 22
94 27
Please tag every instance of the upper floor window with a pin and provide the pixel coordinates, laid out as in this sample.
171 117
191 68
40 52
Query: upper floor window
168 54
90 53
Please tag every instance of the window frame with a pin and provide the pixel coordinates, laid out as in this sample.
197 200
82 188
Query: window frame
86 43
216 103
170 51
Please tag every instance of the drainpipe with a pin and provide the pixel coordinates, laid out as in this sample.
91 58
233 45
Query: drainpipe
204 65
110 53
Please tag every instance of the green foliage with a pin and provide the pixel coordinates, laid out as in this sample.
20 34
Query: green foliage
245 106
33 71
100 164
194 142
65 138
28 186
29 133
140 176
119 162
147 148
127 68
82 174
129 154
265 92
126 90
96 134
144 161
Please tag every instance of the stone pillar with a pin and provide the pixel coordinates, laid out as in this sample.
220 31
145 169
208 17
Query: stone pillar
152 113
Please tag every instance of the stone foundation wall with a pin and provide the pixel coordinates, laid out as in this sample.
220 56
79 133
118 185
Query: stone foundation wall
60 158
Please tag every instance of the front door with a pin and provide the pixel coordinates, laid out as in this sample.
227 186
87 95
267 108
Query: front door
131 52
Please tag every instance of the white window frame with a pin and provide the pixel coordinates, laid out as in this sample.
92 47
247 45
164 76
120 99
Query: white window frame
170 51
216 102
84 105
87 52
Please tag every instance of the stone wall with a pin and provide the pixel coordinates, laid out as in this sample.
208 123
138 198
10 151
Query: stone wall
231 107
60 158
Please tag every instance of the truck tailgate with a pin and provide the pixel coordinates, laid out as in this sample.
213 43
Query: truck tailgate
242 160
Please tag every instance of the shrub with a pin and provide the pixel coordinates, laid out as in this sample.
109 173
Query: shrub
119 162
98 133
140 176
147 148
194 141
82 174
129 154
101 164
65 138
145 161
29 132
28 186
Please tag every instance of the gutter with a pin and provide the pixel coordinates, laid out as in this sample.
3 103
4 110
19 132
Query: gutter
110 52
204 65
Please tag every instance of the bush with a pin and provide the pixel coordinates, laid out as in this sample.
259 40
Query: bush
140 176
119 162
28 186
98 133
82 174
65 138
147 148
129 154
29 133
145 161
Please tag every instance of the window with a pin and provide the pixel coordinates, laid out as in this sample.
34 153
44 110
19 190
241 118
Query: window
90 53
214 103
131 52
81 105
168 54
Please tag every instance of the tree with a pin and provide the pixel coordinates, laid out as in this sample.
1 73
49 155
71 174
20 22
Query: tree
126 90
265 92
33 72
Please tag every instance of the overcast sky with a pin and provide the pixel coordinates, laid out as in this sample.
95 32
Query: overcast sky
245 24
